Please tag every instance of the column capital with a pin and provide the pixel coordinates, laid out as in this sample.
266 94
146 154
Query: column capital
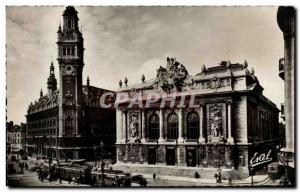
201 139
230 140
229 102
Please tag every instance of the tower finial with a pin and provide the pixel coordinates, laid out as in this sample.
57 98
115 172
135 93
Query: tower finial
126 81
88 81
59 28
143 78
51 68
245 64
203 69
120 83
41 93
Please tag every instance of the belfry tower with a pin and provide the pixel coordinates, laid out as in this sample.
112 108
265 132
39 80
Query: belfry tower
51 83
70 60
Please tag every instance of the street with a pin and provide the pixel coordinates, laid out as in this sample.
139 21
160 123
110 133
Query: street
30 179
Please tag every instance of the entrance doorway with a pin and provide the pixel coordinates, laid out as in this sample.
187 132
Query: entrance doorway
170 156
151 156
191 157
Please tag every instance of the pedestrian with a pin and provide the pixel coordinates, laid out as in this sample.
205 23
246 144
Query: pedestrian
69 179
80 178
220 177
216 176
197 175
154 176
113 183
60 180
144 183
119 182
229 181
94 180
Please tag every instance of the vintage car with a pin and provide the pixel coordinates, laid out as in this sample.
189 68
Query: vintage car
275 170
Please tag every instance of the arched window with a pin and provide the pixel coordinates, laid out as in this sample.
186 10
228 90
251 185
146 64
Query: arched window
193 125
153 126
172 126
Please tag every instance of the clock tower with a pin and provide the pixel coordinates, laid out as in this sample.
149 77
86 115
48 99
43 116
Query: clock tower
70 60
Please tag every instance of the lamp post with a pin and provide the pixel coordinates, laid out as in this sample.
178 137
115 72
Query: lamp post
286 164
219 162
251 171
49 155
102 164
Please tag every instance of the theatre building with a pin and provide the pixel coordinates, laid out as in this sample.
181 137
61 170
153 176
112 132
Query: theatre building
68 122
217 118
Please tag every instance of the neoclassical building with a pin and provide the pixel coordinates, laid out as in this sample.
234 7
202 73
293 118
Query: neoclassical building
68 122
217 118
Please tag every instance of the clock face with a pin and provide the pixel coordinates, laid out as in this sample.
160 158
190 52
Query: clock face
69 70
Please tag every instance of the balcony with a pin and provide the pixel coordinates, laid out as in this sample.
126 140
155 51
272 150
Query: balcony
281 68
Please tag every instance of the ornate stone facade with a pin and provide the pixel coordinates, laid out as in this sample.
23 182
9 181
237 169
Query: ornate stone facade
68 122
228 117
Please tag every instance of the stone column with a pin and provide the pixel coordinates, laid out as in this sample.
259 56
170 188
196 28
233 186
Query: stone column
227 157
161 126
118 151
143 127
201 123
161 155
230 138
286 19
119 120
180 126
124 127
181 157
141 157
126 154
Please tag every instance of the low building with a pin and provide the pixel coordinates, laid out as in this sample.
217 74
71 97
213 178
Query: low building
15 137
217 118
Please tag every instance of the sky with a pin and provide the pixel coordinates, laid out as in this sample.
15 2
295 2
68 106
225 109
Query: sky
130 41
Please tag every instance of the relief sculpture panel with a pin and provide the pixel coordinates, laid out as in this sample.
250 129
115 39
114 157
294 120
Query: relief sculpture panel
215 123
133 127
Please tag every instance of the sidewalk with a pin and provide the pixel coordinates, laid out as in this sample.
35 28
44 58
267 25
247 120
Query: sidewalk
257 180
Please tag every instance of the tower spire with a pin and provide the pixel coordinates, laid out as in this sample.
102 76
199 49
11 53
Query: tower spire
88 81
51 83
41 93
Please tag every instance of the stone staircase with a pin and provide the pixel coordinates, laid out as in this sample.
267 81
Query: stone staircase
237 174
205 173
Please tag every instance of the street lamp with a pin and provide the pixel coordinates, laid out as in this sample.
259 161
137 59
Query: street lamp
251 171
49 155
286 164
219 163
102 164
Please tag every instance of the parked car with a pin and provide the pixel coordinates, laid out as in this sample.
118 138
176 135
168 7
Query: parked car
138 180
